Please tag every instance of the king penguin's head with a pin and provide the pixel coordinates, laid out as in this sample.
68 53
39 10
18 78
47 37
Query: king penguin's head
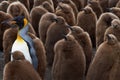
20 21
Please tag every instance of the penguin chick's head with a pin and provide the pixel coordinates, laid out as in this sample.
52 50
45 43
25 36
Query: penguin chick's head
17 55
20 21
116 24
110 39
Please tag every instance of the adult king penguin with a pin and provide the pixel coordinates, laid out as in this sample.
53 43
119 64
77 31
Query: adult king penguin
23 41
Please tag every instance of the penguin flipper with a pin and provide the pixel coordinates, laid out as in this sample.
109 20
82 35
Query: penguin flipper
40 52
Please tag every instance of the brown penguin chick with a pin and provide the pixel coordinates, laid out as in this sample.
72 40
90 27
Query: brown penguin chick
17 55
39 2
84 2
112 3
96 7
114 29
20 69
69 60
105 64
3 16
84 40
36 14
72 4
103 4
4 5
17 9
54 33
102 24
25 2
81 3
48 6
66 11
9 37
115 10
40 52
46 20
78 4
87 20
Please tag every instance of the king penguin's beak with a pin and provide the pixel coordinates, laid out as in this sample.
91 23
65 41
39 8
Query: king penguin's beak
8 22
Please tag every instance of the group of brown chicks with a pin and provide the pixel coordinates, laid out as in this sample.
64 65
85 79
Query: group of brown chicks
65 33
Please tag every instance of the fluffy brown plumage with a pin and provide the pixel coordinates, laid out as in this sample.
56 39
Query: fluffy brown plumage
78 4
105 65
87 19
81 3
4 5
84 41
3 16
115 10
114 29
39 2
96 7
48 6
103 4
8 39
36 14
112 3
19 69
71 4
69 61
25 2
66 11
17 9
40 53
55 32
102 24
46 20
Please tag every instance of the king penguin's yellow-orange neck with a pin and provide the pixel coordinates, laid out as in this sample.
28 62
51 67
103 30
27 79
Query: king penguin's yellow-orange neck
25 22
19 38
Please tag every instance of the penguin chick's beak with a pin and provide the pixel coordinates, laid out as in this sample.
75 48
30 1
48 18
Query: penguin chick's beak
109 9
70 27
11 22
108 36
55 20
64 36
115 26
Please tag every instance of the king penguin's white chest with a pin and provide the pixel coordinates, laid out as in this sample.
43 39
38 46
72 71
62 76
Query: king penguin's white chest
21 45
